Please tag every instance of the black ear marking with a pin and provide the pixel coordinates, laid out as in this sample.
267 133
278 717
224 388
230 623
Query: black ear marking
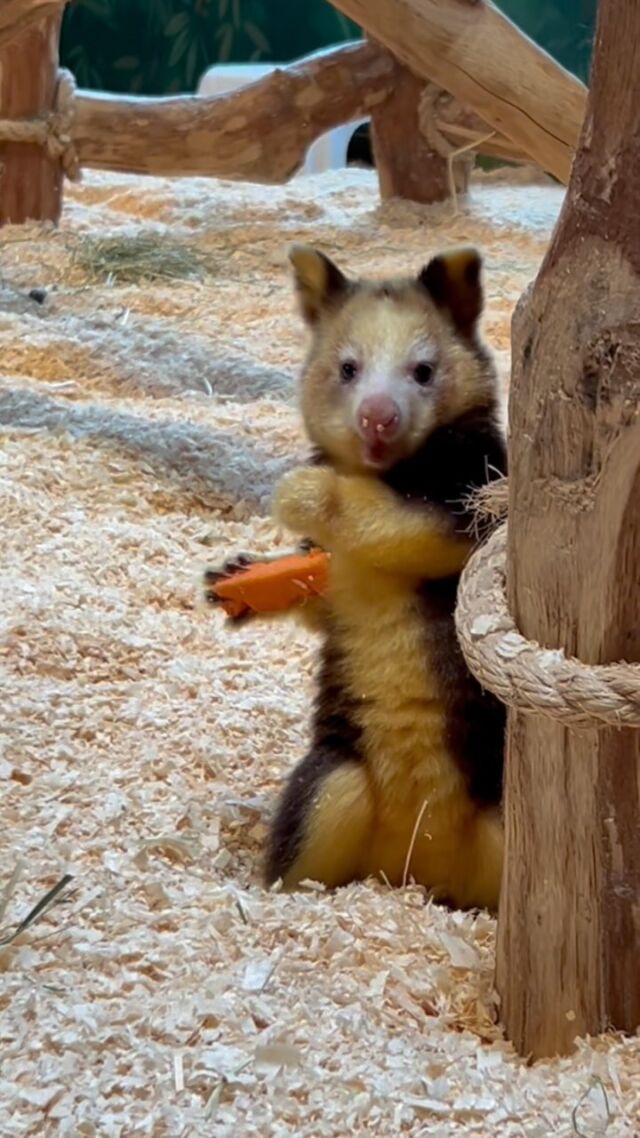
453 280
318 281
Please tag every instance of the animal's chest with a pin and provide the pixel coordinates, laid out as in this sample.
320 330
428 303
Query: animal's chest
392 674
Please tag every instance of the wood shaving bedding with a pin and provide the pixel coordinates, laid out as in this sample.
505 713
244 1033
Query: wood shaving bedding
164 993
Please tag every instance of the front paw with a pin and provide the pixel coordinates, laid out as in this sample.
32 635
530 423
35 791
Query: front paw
214 574
306 500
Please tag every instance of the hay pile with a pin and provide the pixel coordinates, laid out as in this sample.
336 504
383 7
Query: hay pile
146 410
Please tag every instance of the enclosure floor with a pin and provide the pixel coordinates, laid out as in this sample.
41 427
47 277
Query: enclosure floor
143 742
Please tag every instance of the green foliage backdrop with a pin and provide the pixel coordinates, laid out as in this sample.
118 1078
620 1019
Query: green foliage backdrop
157 47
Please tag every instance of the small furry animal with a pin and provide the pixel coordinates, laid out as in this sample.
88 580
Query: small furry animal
399 398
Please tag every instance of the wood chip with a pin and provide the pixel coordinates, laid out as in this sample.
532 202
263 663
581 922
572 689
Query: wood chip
171 994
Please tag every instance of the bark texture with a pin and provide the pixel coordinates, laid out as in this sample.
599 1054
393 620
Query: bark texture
15 15
260 133
30 180
569 928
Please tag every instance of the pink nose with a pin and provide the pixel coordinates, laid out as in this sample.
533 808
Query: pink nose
378 418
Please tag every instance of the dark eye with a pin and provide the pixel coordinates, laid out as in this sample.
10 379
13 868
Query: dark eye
423 374
348 371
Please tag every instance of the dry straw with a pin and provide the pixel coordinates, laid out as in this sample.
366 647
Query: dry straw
142 257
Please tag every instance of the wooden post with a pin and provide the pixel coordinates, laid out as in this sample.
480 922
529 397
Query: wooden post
30 180
569 926
407 165
478 55
15 15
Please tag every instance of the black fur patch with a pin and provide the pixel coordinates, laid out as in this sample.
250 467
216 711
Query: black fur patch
451 463
475 719
336 740
454 284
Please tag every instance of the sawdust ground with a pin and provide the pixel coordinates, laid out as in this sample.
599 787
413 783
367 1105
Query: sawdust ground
142 743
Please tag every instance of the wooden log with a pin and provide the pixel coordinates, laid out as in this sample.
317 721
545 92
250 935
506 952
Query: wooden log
30 180
569 926
15 15
408 167
260 133
476 53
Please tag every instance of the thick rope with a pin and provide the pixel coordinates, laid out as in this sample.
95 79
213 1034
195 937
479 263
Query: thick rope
520 672
429 124
53 131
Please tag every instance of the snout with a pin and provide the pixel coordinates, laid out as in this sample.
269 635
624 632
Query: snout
378 419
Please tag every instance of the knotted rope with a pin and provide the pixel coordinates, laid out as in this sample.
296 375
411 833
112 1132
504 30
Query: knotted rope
54 131
434 126
520 672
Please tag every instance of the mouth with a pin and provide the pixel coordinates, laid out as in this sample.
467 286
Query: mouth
377 454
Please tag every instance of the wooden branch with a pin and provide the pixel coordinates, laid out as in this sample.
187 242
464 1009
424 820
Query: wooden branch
569 926
15 15
260 133
477 54
408 167
30 179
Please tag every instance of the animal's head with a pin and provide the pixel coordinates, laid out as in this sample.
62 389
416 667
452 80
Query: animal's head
390 361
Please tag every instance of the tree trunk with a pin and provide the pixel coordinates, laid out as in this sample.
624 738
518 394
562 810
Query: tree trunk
30 180
569 927
260 133
15 15
407 165
478 55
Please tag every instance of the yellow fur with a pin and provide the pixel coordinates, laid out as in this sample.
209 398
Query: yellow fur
338 827
311 271
312 615
377 547
316 277
360 516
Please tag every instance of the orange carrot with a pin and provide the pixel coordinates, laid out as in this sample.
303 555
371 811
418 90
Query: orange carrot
273 586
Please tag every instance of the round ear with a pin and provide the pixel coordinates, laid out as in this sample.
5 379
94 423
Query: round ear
319 283
453 280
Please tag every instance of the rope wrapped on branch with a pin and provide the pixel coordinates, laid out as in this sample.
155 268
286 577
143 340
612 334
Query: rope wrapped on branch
53 131
453 131
523 674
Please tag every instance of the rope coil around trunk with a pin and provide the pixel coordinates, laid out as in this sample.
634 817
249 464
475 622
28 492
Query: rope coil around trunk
520 672
53 131
431 127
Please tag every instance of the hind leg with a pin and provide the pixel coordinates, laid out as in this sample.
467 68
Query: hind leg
322 824
477 872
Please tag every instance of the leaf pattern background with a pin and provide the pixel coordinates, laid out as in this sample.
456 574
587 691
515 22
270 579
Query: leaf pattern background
159 47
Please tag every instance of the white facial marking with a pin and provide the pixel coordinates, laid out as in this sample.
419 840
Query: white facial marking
423 352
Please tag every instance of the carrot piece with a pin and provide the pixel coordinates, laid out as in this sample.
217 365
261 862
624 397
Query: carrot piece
274 586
